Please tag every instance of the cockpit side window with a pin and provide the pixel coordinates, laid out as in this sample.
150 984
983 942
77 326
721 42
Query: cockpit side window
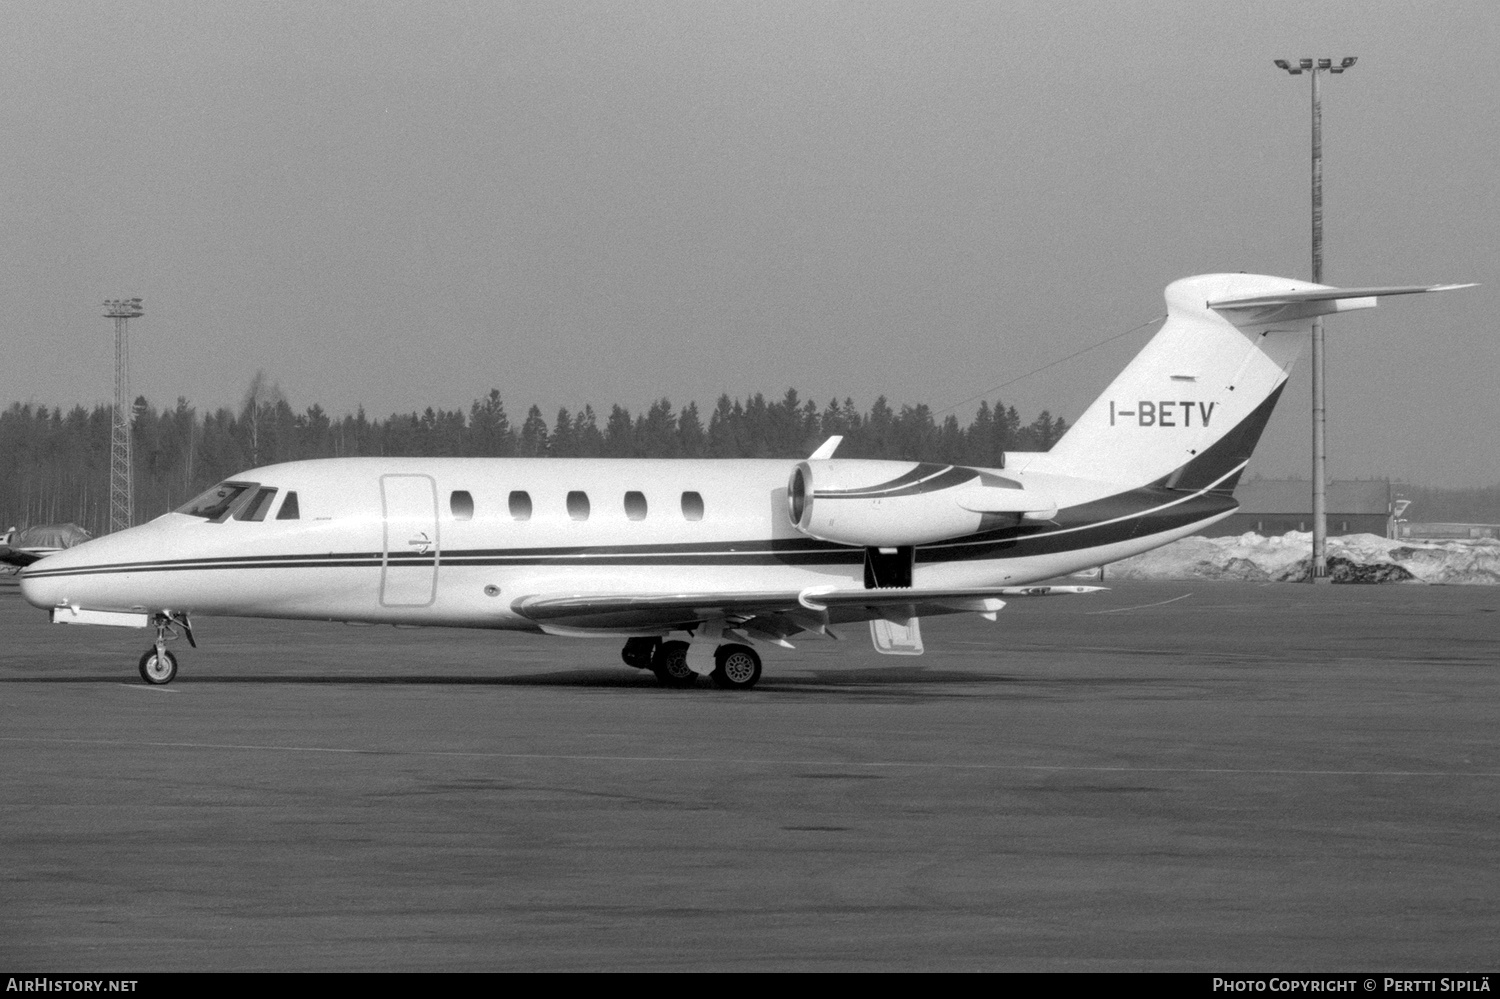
217 503
288 509
259 505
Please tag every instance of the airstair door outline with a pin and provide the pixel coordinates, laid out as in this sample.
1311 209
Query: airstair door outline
408 572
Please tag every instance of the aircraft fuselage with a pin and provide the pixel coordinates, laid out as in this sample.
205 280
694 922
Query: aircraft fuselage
456 541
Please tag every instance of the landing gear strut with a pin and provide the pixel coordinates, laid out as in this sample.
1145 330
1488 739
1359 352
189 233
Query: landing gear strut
158 666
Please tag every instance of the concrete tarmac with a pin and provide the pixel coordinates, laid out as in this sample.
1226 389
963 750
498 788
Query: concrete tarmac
1168 776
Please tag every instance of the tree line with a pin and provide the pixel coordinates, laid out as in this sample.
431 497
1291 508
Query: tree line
54 464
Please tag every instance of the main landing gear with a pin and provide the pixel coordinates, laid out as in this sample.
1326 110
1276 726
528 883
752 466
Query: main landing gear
159 666
736 667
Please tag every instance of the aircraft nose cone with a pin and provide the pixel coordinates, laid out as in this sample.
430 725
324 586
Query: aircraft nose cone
38 592
42 592
48 581
99 574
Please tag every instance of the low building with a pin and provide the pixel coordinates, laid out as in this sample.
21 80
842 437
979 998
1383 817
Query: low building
1276 506
1446 532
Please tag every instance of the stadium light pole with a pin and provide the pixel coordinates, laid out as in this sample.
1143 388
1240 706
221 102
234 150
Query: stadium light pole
1319 470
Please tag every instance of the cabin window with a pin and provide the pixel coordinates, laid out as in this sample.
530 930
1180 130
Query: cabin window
462 505
520 505
214 504
635 505
578 505
692 506
288 509
258 507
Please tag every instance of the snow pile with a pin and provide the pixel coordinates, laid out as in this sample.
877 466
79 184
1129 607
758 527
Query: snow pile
1354 558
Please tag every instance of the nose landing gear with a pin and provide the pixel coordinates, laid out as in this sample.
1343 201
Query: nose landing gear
158 666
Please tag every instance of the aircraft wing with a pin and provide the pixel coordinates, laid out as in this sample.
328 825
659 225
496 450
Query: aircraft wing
774 614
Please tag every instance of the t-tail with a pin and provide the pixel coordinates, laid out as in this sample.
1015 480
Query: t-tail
1188 410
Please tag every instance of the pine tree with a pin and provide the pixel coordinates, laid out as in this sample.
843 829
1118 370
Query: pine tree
691 441
619 434
564 443
533 442
590 442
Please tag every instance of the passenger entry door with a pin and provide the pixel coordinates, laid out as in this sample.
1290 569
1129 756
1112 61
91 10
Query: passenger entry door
408 574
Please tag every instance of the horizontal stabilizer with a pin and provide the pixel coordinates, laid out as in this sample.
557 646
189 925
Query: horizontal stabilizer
1332 294
1304 303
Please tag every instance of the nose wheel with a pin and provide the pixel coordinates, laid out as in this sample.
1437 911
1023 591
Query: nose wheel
158 667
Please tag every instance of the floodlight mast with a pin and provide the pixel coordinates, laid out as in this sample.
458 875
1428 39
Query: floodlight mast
1320 462
121 468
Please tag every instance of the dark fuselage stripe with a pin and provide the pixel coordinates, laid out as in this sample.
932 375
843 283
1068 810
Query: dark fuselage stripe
1137 514
938 477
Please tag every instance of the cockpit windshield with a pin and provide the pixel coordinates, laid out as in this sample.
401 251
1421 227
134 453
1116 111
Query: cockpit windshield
217 503
258 507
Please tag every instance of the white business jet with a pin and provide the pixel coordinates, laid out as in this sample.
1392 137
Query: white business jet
695 562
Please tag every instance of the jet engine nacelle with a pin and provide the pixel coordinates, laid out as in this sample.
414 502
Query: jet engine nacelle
889 504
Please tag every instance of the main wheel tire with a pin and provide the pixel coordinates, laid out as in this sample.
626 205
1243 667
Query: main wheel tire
736 667
158 670
638 652
670 665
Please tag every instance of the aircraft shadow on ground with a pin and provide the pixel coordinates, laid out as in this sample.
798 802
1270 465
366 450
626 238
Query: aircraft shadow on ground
872 679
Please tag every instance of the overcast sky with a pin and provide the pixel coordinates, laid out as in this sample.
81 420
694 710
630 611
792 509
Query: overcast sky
399 206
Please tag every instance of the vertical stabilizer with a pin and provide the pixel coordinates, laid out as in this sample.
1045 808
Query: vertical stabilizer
1191 406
